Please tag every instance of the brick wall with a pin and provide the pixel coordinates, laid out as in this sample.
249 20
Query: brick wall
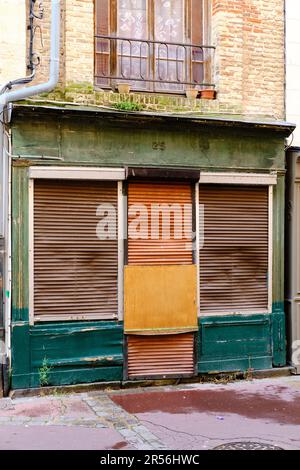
12 40
77 42
249 59
249 35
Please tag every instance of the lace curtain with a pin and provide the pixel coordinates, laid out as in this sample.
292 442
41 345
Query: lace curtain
168 28
135 58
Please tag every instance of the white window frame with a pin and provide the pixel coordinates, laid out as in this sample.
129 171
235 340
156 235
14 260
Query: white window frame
76 173
238 178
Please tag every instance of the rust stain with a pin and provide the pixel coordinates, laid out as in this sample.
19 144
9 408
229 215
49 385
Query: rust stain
97 358
119 445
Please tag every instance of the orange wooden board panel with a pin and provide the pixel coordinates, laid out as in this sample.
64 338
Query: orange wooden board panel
160 299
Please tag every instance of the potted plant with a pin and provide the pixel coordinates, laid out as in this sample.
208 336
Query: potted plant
191 93
208 94
123 88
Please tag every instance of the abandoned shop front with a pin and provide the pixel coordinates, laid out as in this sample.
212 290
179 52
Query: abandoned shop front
144 245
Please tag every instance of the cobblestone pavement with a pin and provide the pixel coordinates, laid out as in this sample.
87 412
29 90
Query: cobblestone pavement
191 416
85 410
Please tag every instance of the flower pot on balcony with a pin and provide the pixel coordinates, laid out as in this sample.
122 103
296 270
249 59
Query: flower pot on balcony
208 94
191 93
123 87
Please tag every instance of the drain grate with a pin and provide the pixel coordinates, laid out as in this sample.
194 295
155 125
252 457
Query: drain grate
247 446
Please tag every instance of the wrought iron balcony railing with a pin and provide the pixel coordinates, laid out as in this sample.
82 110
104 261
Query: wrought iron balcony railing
152 65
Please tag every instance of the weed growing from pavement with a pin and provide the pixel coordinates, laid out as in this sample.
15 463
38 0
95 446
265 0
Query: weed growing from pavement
221 379
59 393
44 373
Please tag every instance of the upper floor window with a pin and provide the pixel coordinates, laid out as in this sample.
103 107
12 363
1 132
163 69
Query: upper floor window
155 45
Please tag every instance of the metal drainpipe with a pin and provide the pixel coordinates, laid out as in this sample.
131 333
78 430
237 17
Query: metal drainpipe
7 261
5 99
25 92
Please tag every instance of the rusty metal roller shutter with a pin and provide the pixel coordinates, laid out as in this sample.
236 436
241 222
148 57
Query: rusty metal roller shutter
161 356
149 251
234 257
75 273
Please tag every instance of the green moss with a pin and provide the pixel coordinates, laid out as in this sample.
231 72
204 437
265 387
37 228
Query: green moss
82 88
128 106
84 94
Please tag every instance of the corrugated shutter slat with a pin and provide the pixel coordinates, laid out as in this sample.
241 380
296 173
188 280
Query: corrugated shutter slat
147 251
167 355
234 258
75 273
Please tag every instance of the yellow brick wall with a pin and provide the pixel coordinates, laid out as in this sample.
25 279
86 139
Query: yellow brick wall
12 40
249 58
77 42
42 42
249 35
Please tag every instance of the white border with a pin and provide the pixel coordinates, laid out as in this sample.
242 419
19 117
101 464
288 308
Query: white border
270 260
238 178
77 173
121 209
207 177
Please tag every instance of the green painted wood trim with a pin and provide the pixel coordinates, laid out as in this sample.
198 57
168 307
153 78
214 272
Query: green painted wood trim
92 351
69 377
21 353
238 364
234 342
75 352
20 232
279 335
278 319
95 141
140 119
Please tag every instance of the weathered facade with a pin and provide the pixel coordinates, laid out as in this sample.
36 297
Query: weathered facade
93 350
131 302
12 63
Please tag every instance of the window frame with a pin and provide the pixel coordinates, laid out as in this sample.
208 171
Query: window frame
76 173
151 87
118 175
237 178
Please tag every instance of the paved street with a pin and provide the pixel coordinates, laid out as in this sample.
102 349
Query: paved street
193 416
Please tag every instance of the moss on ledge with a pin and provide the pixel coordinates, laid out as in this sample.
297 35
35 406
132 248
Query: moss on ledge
85 94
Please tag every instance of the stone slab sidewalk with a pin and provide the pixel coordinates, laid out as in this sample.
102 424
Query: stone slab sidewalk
190 416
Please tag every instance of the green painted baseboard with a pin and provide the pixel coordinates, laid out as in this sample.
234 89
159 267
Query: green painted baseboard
69 377
74 352
79 352
234 343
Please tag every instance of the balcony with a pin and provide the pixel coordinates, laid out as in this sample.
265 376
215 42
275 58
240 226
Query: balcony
152 66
